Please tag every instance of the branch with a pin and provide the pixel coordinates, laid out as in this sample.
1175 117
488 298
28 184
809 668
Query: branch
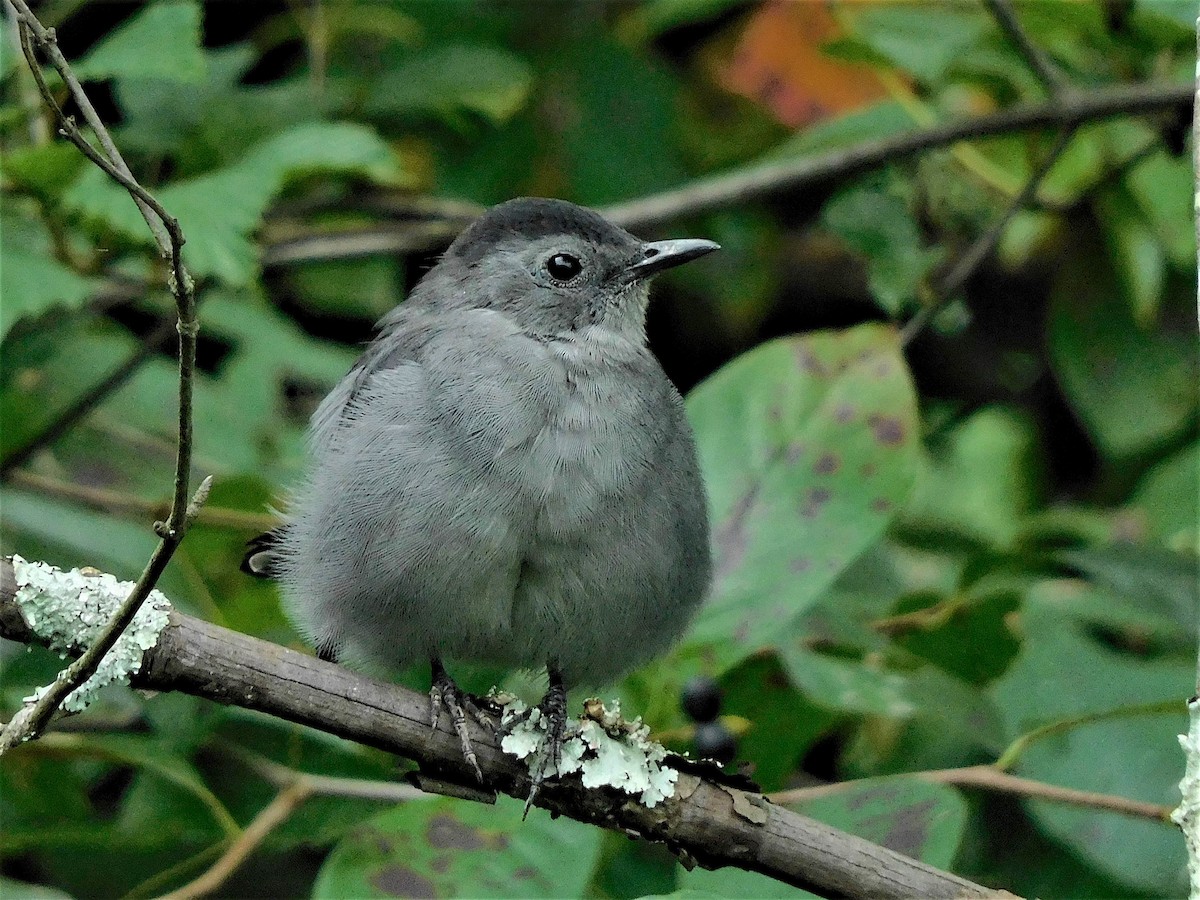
991 778
32 719
710 821
765 179
985 245
1041 65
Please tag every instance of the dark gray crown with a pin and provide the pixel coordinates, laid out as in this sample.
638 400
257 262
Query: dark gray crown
531 218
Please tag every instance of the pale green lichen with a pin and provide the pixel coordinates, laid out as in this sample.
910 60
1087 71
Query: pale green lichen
1187 816
606 750
69 609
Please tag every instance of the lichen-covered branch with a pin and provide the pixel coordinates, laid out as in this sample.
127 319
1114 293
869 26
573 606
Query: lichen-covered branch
705 818
34 37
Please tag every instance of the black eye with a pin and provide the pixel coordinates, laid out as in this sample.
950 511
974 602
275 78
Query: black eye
563 266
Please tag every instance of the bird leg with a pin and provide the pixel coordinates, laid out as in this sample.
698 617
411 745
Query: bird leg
445 694
553 710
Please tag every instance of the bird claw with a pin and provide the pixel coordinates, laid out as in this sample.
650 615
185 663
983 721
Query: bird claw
553 709
445 694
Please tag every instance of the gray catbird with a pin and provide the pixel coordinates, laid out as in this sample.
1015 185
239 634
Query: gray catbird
506 475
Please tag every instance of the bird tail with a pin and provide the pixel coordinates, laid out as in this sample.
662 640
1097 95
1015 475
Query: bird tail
262 555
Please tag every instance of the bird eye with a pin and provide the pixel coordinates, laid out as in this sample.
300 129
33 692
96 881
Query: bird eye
563 266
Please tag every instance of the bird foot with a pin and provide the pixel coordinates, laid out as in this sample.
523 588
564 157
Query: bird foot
445 694
553 713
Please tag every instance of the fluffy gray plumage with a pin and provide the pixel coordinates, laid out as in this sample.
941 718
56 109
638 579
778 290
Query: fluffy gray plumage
506 475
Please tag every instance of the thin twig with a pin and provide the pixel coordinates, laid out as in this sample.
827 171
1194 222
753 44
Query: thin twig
282 776
128 504
790 174
990 778
271 817
1041 65
1017 748
33 718
983 247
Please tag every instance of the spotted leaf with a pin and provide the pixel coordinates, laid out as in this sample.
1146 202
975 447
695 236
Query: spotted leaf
808 446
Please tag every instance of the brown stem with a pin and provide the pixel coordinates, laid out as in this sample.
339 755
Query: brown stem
1041 65
791 174
128 504
271 817
990 778
985 245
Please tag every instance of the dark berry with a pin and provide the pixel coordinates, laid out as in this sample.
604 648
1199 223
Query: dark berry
713 741
702 699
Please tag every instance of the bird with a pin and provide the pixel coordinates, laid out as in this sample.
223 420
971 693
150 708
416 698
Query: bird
506 475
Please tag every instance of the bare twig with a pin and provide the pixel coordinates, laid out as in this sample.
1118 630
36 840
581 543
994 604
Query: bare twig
1041 65
790 174
983 247
128 504
326 785
711 820
991 778
1014 751
32 719
271 817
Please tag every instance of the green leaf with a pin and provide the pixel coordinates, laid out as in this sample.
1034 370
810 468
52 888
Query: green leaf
875 219
979 481
1133 389
44 169
32 282
161 41
219 210
1162 189
620 140
1135 251
1167 499
808 446
1062 673
453 848
1158 583
921 820
877 122
901 33
448 80
23 890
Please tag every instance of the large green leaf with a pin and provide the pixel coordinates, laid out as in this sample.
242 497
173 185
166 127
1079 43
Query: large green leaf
1168 497
900 33
808 447
1063 672
1133 388
979 480
453 848
161 41
447 80
32 281
219 210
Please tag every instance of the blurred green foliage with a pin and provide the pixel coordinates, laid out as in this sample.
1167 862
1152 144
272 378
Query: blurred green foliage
925 552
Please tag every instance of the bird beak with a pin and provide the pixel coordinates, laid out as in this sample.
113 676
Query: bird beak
660 255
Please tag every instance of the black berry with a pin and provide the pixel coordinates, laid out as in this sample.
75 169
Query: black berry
702 699
713 741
